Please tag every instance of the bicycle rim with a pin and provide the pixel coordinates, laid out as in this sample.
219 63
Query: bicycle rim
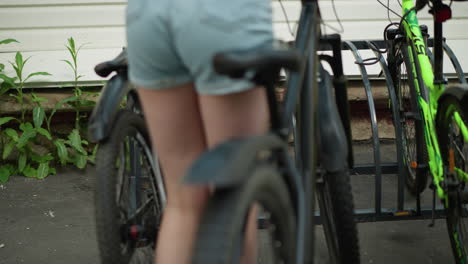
414 150
456 164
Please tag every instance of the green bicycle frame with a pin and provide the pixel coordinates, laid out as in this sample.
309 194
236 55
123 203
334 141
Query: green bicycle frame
428 94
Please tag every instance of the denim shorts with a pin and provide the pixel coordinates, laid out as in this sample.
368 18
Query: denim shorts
172 42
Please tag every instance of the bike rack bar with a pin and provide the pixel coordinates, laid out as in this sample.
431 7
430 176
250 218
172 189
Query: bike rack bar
366 169
364 44
375 129
378 168
455 63
397 125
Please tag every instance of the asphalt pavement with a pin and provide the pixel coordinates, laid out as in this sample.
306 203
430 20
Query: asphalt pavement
51 221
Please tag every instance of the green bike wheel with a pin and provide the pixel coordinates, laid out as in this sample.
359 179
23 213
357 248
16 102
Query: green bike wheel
454 150
414 145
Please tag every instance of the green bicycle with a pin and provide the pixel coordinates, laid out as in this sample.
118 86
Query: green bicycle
434 118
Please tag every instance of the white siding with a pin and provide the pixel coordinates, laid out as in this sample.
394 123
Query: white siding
43 26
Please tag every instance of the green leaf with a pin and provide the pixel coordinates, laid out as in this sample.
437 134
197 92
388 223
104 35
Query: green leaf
17 70
41 158
75 141
43 170
5 87
85 102
12 134
19 60
71 43
39 99
62 102
38 116
62 151
2 66
79 76
44 132
52 171
25 137
69 63
17 97
7 149
92 157
7 79
29 172
8 41
4 120
5 172
80 161
22 161
26 126
36 74
68 100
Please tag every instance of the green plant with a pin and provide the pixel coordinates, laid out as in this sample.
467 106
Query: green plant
18 66
22 136
76 101
72 150
30 163
7 82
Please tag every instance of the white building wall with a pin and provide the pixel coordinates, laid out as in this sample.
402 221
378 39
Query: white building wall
43 26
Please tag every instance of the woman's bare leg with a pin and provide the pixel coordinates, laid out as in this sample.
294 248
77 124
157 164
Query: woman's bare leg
176 128
232 116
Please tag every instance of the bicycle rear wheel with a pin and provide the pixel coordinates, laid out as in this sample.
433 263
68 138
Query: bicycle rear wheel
128 207
453 139
414 145
220 238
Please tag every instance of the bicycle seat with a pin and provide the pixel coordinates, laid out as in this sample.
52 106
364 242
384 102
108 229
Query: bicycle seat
236 64
119 63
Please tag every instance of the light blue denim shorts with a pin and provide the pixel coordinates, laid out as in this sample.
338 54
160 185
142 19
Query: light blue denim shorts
172 42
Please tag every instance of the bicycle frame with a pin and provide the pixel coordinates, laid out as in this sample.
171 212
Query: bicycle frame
433 87
302 95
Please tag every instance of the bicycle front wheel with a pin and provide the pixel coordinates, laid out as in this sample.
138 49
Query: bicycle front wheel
453 139
337 216
414 145
222 235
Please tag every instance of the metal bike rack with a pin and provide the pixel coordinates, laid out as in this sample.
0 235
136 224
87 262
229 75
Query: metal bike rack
400 212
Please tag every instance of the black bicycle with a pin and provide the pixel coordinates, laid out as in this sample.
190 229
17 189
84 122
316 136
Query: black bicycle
129 190
260 174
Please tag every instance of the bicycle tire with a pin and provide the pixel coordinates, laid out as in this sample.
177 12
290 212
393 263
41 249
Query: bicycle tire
456 209
224 218
335 191
109 229
414 144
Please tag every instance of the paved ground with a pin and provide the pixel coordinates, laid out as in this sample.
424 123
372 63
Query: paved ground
51 221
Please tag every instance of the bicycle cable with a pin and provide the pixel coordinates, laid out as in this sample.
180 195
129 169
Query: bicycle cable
341 30
373 46
291 31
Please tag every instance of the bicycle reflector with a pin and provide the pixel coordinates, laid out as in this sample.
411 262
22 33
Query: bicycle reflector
442 13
